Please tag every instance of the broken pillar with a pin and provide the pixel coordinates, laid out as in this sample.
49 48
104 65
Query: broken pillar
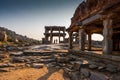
89 41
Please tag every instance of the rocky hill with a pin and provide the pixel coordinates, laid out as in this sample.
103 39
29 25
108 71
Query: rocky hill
11 36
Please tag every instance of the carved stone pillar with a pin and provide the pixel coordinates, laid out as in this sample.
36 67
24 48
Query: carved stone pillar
64 35
51 37
76 38
89 41
59 34
107 33
70 40
82 39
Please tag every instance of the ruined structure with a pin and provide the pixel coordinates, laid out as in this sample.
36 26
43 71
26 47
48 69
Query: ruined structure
51 31
97 16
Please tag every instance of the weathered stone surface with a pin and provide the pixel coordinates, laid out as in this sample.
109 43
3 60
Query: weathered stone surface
27 60
75 76
101 68
111 68
77 65
98 76
2 65
17 59
72 57
46 60
4 70
115 76
12 48
10 65
27 65
93 66
116 58
62 59
80 64
16 53
2 56
37 65
85 72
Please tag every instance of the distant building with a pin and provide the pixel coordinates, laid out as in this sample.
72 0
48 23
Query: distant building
54 31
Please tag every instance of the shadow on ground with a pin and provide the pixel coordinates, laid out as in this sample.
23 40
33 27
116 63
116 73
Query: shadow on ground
54 73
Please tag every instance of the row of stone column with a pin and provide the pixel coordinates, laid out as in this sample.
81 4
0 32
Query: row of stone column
107 34
82 40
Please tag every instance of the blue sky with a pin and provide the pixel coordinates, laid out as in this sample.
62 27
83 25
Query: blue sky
28 17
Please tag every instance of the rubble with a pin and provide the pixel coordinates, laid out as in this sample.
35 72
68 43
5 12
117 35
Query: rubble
77 68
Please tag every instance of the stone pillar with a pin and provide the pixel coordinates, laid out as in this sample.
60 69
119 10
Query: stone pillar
107 33
70 40
46 37
119 45
76 38
82 39
63 35
89 41
51 37
59 34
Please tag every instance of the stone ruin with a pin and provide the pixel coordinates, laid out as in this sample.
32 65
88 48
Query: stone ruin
103 18
96 16
49 34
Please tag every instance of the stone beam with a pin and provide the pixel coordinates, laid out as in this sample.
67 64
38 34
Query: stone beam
91 19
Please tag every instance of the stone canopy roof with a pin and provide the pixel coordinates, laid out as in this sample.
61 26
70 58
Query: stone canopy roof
89 8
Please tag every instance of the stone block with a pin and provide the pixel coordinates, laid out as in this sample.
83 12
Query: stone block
17 59
98 76
85 72
62 59
93 66
80 64
111 68
37 65
2 65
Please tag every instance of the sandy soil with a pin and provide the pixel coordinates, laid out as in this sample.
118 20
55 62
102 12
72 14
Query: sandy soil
34 74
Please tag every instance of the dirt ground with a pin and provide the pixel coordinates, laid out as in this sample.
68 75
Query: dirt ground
34 74
53 65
